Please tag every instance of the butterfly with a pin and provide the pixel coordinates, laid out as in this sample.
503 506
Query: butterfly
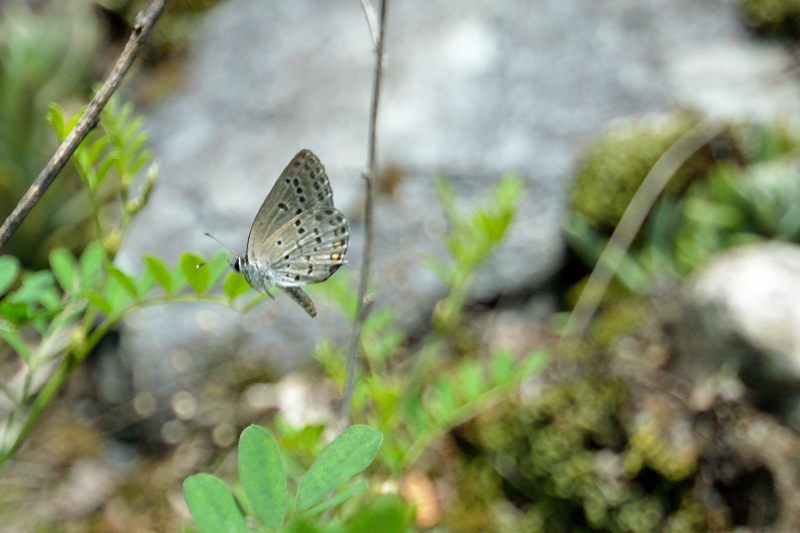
298 237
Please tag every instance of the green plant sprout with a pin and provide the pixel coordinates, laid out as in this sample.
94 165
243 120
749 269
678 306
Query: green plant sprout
414 405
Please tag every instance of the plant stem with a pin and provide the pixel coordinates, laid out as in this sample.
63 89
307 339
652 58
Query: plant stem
363 306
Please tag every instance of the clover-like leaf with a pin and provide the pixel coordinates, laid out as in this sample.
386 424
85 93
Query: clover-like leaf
262 475
212 505
348 454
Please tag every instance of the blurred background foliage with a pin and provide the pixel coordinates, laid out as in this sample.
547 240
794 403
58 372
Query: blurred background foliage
172 35
53 51
46 55
740 189
776 18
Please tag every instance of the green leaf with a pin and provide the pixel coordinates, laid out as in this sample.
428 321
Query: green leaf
64 267
126 281
502 366
235 285
473 382
104 166
136 146
216 268
37 287
350 453
262 475
417 416
9 270
91 265
10 334
141 161
99 301
179 280
196 272
443 400
55 116
15 312
304 525
355 488
117 295
212 505
159 271
95 150
390 511
145 283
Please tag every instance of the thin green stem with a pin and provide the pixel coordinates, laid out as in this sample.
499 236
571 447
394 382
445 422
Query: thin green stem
43 399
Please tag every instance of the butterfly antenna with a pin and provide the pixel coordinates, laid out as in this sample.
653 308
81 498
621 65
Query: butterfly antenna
207 234
218 257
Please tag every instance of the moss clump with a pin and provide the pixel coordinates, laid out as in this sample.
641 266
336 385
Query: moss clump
620 316
617 163
566 458
778 18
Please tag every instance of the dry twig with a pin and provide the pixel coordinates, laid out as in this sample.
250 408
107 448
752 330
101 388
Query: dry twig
363 306
145 21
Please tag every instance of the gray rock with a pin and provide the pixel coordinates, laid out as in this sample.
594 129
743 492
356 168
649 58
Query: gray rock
737 80
741 312
472 91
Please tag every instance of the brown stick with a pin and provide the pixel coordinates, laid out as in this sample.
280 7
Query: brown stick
363 307
141 28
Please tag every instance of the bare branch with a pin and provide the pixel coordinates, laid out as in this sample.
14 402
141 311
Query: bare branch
141 28
633 218
369 178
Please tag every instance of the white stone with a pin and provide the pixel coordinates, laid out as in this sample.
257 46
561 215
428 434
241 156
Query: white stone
742 311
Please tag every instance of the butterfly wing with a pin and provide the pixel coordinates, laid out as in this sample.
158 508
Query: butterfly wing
303 185
308 248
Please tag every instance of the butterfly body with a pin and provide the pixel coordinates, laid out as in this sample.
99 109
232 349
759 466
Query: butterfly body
297 237
260 277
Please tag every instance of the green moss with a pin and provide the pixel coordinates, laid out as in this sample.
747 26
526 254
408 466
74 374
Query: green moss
616 163
589 453
621 316
780 18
